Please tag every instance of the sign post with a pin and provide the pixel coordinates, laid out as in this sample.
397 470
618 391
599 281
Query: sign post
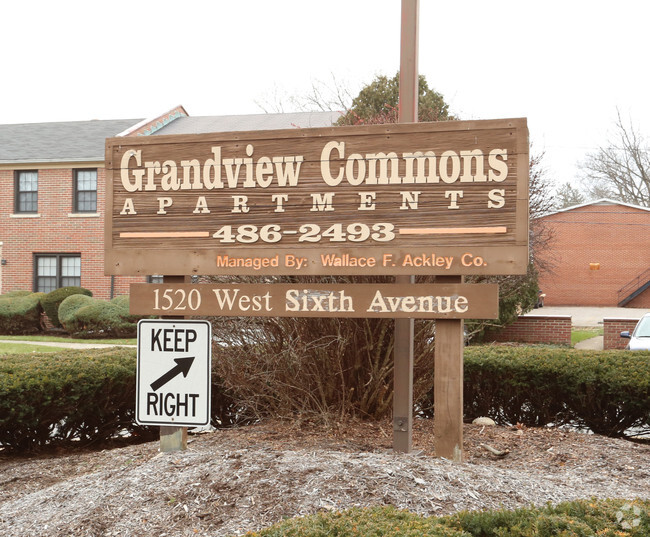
448 384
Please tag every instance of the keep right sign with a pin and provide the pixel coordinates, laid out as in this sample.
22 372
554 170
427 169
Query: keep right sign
173 373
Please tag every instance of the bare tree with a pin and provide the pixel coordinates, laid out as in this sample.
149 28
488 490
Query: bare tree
332 368
540 203
568 196
620 170
323 96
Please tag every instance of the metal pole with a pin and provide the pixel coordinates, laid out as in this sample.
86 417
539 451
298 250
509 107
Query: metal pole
403 352
408 69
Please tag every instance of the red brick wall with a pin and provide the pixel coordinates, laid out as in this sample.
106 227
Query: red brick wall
612 335
54 231
536 329
615 236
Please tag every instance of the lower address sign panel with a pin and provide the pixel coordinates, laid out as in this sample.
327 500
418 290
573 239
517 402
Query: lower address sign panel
423 301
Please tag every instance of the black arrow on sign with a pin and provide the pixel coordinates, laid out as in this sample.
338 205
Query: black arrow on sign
182 366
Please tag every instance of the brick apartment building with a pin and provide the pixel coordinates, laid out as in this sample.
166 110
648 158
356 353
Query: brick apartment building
52 193
600 256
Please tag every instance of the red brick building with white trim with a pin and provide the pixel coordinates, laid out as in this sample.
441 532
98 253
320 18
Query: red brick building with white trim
52 193
600 256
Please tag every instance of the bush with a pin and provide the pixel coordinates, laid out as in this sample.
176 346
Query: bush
92 318
605 391
68 308
52 300
322 368
122 301
357 522
56 398
331 367
20 313
582 518
87 396
12 294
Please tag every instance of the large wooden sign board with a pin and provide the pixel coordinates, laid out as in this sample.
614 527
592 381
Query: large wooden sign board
418 198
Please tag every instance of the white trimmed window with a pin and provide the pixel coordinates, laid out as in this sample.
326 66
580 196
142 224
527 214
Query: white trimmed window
52 271
26 192
85 191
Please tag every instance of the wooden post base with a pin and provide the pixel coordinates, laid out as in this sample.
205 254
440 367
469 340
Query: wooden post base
173 439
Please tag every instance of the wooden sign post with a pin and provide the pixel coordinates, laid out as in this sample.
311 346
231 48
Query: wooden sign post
173 438
448 384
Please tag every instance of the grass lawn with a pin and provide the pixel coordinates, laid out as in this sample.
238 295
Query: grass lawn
580 335
54 339
24 348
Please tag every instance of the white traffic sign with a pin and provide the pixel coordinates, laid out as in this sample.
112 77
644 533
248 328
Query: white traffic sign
173 373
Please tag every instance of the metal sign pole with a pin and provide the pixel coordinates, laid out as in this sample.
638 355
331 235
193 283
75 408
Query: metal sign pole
404 332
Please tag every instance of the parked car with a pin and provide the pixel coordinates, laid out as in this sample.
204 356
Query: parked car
640 337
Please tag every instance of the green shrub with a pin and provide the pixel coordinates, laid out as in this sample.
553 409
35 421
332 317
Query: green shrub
93 318
12 294
86 396
605 391
121 301
20 313
52 300
55 398
69 307
371 522
582 518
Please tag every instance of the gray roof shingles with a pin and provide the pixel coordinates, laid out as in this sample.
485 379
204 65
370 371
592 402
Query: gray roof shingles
84 141
249 122
71 141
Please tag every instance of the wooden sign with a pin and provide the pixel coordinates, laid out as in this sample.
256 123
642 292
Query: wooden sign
423 301
417 198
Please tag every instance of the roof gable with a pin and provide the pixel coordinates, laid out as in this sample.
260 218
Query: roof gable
600 202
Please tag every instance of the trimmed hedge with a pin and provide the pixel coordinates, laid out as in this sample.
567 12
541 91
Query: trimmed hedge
581 518
90 395
20 313
69 306
56 398
12 294
83 396
605 391
87 317
52 300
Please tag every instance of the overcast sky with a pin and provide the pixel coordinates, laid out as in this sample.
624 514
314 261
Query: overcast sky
565 65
